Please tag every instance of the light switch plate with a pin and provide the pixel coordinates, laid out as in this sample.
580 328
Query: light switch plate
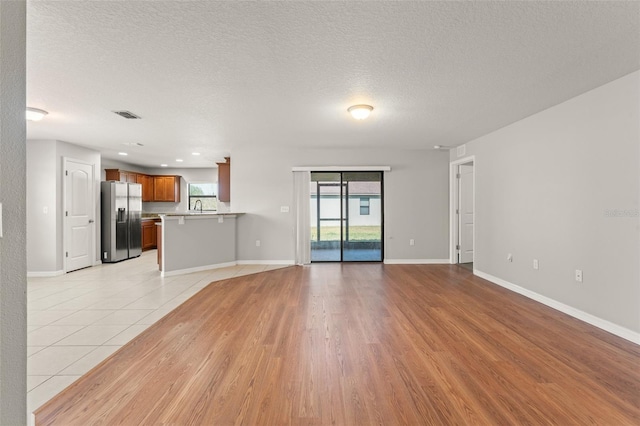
181 220
284 209
220 219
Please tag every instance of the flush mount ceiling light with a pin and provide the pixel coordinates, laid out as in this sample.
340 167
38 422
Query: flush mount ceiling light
163 165
195 153
122 153
35 114
442 147
360 112
179 160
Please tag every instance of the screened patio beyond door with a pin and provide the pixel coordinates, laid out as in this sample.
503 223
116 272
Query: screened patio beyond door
346 216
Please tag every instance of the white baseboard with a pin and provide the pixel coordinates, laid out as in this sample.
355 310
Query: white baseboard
44 274
605 325
266 262
416 261
196 269
225 265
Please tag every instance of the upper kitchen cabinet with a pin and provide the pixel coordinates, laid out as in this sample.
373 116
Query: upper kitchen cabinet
166 188
121 175
154 188
224 180
147 187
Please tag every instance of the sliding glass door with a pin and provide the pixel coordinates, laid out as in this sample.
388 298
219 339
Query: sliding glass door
346 216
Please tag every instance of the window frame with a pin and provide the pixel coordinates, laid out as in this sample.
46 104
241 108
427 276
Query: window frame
366 206
189 196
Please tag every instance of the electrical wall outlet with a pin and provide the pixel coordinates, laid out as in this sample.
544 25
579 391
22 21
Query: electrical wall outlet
284 209
257 243
509 257
536 264
412 242
579 275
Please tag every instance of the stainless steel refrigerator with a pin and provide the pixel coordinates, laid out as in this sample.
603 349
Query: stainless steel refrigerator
121 220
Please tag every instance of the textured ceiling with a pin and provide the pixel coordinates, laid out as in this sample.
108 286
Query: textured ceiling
212 76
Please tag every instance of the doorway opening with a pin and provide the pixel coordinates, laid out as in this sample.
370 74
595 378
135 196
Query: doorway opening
463 212
346 216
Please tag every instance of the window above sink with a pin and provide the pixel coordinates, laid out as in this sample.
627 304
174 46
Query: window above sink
206 193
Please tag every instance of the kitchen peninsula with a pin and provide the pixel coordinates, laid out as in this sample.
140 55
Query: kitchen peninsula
190 242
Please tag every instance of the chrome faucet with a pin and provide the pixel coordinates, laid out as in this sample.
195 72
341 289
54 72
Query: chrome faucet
195 206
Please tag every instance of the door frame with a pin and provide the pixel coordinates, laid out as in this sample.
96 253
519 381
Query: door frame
342 186
454 204
65 225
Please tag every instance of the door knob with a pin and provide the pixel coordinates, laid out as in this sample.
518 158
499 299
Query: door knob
91 220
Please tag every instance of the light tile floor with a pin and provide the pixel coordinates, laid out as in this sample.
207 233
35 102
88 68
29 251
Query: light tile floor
77 320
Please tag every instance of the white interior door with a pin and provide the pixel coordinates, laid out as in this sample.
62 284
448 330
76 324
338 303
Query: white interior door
79 219
465 228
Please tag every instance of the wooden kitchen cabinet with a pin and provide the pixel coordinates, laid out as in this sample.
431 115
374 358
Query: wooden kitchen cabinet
112 174
121 175
166 188
149 235
154 188
224 180
147 187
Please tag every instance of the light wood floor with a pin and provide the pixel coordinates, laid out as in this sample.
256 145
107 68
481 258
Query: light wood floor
351 344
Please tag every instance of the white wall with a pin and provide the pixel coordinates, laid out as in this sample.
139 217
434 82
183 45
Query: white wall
42 250
416 198
13 282
45 180
546 188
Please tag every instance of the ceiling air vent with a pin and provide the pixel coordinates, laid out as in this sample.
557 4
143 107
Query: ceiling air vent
127 114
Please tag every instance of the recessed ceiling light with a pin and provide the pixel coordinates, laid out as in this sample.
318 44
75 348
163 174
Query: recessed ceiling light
35 114
360 112
195 153
179 160
163 165
122 153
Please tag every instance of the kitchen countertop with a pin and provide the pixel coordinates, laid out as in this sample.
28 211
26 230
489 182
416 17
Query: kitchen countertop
201 214
152 216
